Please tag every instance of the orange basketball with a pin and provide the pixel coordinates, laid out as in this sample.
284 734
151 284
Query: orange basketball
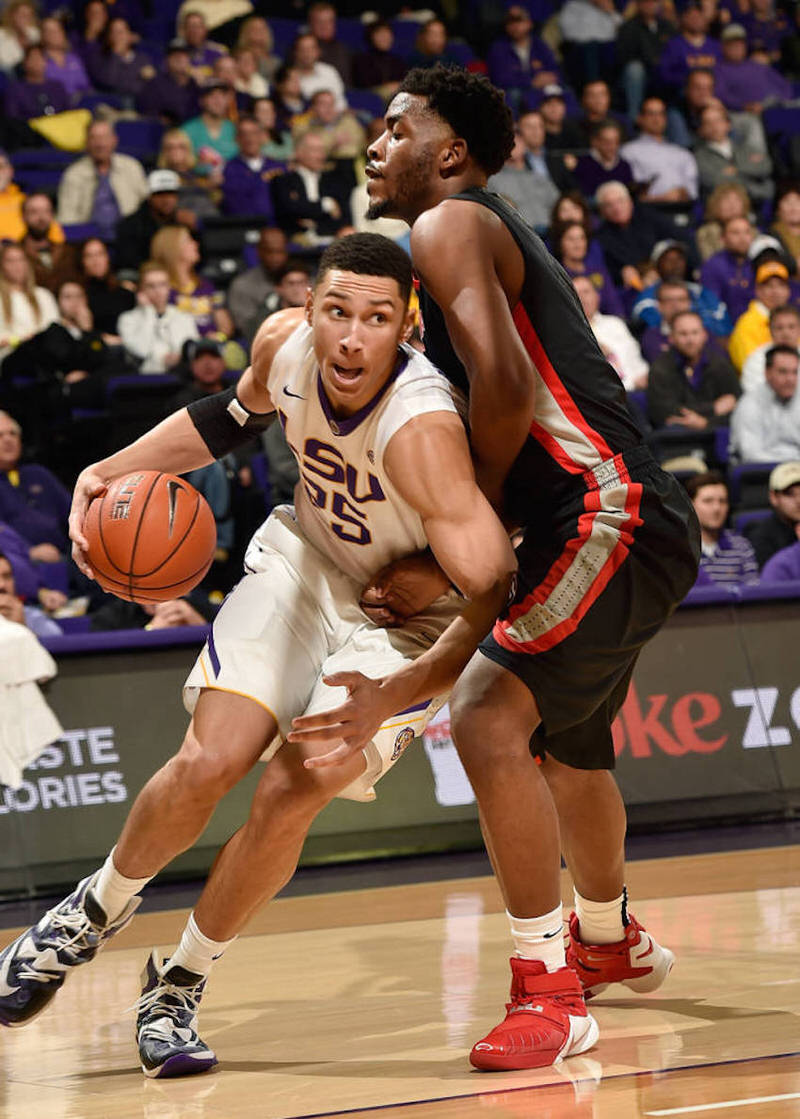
151 537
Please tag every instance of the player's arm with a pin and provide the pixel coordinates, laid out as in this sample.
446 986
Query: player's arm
473 549
194 436
453 246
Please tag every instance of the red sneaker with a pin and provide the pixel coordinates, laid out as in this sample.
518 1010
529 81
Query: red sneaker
546 1021
638 961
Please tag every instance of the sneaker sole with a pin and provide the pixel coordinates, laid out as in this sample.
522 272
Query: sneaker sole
583 1034
181 1064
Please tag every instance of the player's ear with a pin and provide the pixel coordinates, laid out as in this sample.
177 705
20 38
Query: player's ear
409 322
309 308
453 157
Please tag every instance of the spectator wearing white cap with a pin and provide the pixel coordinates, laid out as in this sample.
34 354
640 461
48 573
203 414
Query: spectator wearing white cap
160 208
782 528
752 328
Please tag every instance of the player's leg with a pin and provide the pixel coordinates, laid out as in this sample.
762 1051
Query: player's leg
251 868
493 715
225 738
606 942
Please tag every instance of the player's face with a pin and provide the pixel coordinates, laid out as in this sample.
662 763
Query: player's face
711 505
358 323
402 168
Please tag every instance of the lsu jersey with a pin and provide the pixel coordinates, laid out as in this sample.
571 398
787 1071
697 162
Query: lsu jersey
345 502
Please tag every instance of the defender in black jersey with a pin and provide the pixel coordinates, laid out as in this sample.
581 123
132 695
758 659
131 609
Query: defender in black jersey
610 547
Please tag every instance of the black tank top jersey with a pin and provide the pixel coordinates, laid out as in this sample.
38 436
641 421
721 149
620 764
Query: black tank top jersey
581 417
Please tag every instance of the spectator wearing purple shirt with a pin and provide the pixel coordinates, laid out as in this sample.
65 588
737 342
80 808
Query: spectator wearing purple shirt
202 52
766 26
603 163
15 550
729 273
62 64
672 297
741 83
119 67
691 49
173 95
784 566
246 185
34 96
570 246
519 60
726 559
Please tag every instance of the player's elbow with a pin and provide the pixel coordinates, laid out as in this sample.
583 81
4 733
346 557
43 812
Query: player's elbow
492 583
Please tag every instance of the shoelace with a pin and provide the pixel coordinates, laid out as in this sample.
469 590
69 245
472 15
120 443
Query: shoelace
187 998
84 938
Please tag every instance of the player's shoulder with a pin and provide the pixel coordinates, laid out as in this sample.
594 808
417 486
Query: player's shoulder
452 218
276 330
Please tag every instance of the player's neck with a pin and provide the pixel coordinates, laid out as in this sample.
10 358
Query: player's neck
447 188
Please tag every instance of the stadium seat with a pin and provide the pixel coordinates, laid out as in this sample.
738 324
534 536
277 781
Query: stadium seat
284 32
741 520
405 36
82 231
140 138
749 484
92 101
365 104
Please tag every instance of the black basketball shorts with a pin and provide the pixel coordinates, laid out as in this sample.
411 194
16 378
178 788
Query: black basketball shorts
596 580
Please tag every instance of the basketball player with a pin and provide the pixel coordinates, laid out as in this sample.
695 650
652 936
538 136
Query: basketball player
370 422
610 547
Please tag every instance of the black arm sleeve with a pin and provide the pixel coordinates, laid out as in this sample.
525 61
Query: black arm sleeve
224 424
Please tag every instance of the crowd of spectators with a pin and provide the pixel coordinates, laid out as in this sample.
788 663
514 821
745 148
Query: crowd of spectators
657 151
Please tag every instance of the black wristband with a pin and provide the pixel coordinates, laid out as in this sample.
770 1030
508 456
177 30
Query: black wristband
224 424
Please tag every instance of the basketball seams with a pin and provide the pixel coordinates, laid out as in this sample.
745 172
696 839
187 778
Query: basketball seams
141 597
178 546
106 552
135 545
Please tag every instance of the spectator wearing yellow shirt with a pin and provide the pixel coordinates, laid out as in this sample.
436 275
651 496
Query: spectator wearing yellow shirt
12 226
752 328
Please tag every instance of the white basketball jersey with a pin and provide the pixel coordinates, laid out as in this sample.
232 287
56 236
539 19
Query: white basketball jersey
346 505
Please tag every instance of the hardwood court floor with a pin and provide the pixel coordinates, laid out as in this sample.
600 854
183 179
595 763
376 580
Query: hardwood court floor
367 1002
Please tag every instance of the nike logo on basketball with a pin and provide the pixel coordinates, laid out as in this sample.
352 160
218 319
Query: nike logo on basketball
296 395
172 493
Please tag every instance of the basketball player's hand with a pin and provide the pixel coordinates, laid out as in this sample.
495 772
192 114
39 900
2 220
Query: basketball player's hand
402 589
89 485
349 727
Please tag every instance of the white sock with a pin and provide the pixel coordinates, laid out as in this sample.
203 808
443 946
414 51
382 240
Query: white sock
197 952
113 890
540 938
601 922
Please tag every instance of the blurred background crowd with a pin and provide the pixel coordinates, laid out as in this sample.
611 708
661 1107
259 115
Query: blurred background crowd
170 173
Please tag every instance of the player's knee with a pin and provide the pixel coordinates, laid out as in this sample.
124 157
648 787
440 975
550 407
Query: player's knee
290 793
205 773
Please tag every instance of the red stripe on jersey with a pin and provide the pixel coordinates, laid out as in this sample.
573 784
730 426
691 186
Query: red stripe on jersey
554 449
541 592
533 345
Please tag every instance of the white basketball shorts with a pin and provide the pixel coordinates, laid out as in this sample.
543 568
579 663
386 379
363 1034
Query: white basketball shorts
295 618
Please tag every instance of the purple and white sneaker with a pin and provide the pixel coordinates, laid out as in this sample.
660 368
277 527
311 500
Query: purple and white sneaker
35 965
166 1023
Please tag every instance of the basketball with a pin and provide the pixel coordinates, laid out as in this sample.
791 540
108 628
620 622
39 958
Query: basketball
151 537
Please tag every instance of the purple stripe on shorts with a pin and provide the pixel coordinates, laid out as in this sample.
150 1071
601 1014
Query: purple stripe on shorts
212 653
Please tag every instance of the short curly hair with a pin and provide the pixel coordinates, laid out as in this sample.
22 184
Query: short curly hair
474 108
